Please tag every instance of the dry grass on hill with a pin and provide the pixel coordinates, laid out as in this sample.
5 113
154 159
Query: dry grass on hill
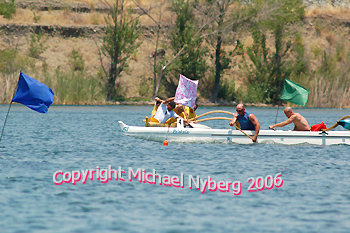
59 49
317 37
92 3
67 17
59 18
330 11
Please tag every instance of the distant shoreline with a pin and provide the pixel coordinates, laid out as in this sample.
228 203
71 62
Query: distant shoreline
201 104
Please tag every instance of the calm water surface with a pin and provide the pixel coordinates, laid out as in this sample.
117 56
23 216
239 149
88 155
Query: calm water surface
314 197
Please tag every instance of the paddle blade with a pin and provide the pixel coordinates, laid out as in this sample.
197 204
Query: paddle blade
345 123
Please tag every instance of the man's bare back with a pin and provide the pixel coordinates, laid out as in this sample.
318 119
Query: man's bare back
300 123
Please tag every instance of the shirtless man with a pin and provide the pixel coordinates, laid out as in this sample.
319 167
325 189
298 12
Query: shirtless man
300 123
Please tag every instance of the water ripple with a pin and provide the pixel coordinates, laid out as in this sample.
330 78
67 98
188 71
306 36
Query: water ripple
314 196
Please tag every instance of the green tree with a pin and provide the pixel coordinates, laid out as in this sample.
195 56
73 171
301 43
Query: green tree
258 65
37 45
119 43
7 9
185 39
219 34
76 61
155 61
288 11
268 69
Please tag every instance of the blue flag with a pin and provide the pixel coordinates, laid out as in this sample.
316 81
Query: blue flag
33 94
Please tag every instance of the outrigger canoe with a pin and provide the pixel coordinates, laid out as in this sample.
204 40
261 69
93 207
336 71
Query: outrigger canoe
184 134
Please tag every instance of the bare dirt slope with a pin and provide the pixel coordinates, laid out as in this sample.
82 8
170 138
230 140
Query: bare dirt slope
70 25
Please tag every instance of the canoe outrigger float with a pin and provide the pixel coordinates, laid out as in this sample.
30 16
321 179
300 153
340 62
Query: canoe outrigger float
201 133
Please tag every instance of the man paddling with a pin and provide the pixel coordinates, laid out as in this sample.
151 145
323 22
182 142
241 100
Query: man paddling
300 123
246 120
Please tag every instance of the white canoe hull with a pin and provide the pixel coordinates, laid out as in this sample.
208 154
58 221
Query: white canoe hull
229 135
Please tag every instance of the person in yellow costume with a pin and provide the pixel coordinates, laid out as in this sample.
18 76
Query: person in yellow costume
165 111
179 110
190 113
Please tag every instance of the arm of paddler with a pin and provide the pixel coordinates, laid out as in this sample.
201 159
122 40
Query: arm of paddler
256 123
281 124
164 101
173 117
234 119
168 100
158 99
181 115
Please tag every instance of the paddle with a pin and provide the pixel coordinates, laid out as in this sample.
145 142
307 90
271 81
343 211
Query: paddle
219 118
338 123
244 132
223 118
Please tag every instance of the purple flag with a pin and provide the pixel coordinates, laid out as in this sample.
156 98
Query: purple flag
186 92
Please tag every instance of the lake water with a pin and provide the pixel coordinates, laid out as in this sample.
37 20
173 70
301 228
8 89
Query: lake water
314 196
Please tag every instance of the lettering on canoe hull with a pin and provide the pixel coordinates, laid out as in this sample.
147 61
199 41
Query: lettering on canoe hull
125 129
180 131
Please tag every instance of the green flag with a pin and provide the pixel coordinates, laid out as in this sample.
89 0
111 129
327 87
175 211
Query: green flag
294 93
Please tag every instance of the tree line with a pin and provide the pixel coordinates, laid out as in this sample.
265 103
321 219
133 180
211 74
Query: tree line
205 30
205 40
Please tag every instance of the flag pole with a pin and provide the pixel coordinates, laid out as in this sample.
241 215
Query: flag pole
278 91
8 111
277 112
